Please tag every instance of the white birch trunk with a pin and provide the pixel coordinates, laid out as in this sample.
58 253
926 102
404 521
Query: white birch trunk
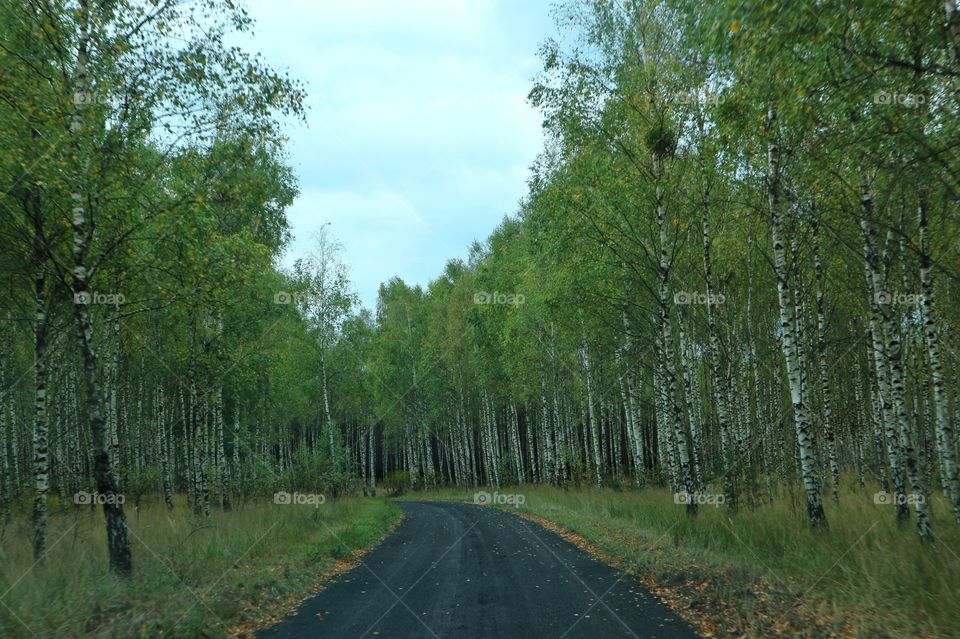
41 462
118 543
674 420
794 362
591 414
943 427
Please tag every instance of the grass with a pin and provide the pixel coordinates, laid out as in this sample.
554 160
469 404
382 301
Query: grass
763 572
760 573
194 577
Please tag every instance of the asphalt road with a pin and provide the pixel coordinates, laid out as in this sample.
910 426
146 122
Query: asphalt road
464 571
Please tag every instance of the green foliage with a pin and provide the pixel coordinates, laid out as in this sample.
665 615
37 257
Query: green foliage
396 483
661 141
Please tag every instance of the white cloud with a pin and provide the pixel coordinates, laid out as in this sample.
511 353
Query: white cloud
381 231
418 134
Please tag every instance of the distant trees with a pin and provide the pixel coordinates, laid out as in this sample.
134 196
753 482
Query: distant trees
724 277
325 299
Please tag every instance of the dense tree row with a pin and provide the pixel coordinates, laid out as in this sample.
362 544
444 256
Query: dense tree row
149 345
736 269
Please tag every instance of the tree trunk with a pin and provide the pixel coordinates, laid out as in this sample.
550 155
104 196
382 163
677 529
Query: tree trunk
591 414
118 543
794 361
673 414
944 430
41 468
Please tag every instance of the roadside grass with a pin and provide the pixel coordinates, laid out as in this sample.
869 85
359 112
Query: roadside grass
193 576
763 572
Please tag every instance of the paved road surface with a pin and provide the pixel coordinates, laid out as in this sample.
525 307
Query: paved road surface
463 571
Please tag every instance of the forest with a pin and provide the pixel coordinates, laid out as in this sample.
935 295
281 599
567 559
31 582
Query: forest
735 276
734 272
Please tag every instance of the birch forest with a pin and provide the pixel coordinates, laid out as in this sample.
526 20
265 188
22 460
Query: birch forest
735 274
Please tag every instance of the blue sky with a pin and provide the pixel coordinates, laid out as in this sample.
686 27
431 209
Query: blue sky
418 137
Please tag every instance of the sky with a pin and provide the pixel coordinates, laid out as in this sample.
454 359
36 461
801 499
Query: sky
418 136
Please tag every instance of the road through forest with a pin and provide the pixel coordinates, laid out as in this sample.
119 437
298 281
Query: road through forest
465 571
